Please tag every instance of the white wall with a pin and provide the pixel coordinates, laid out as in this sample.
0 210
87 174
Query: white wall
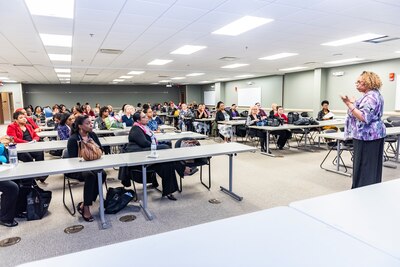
194 94
298 90
16 89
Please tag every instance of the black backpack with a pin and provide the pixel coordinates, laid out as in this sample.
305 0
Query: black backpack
117 199
302 121
292 117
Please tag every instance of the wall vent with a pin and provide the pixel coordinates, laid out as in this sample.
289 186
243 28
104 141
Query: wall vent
229 58
110 51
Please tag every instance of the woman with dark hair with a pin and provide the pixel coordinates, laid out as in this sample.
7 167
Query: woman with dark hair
77 110
139 140
225 130
38 115
65 126
82 131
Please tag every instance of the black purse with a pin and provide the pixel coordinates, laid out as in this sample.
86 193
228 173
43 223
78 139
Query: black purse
37 203
117 199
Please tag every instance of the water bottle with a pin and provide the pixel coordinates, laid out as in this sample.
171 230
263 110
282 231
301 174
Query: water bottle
153 147
183 127
96 125
12 154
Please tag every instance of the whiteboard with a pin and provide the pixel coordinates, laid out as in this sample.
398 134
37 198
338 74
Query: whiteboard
249 96
209 98
397 100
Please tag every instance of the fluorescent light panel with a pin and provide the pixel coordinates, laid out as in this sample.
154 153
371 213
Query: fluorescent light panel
347 60
4 78
187 49
194 74
9 81
206 82
56 40
59 57
164 81
397 52
242 25
125 77
222 79
51 8
233 66
159 62
278 56
118 80
62 70
178 78
354 39
293 68
64 75
244 76
136 72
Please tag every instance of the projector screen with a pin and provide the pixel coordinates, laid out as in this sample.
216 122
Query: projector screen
209 98
249 96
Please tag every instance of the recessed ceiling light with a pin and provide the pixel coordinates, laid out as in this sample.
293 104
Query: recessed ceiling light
4 78
278 56
233 66
244 76
64 75
159 62
222 79
397 52
9 81
136 72
242 25
113 82
51 8
188 49
118 80
354 39
154 83
56 40
125 77
178 78
347 60
195 74
64 79
206 82
164 81
293 68
62 70
59 57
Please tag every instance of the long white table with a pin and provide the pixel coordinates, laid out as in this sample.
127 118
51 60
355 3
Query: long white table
57 166
370 214
105 141
185 153
339 136
269 129
274 237
54 134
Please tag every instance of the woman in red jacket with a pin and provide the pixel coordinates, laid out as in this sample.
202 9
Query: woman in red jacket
284 135
29 120
24 133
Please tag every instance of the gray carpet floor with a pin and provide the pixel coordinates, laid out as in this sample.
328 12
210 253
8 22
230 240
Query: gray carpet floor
264 182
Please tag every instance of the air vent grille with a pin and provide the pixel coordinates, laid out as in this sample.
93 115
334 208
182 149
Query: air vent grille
383 39
110 51
228 58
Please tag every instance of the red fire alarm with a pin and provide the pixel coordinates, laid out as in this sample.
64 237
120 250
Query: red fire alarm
391 76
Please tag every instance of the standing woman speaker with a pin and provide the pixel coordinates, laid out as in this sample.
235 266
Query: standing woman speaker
365 126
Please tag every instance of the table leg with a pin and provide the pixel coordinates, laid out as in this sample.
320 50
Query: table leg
230 192
143 203
337 154
104 224
268 152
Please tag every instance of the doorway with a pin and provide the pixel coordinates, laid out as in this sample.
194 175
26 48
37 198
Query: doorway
7 106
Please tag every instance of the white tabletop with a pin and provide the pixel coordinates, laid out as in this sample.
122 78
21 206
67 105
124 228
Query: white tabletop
274 237
43 134
336 122
233 123
340 135
370 214
183 153
46 128
205 119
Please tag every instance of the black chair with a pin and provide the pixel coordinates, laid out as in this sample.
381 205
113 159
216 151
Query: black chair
196 163
391 141
343 146
137 177
67 180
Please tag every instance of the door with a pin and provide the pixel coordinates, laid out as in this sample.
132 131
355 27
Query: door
6 108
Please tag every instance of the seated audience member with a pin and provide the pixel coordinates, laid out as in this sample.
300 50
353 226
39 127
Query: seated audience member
152 124
164 108
127 118
139 107
186 117
105 121
121 112
82 131
284 135
9 196
29 112
56 120
87 110
262 113
65 126
29 120
156 118
252 120
63 109
97 109
233 111
77 110
325 113
201 113
172 110
39 116
24 133
274 110
139 138
55 109
225 130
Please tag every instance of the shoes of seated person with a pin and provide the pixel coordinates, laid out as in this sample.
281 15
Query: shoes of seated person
171 197
21 215
191 171
9 224
281 148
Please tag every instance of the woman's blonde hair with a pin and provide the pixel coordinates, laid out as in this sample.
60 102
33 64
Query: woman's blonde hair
371 80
